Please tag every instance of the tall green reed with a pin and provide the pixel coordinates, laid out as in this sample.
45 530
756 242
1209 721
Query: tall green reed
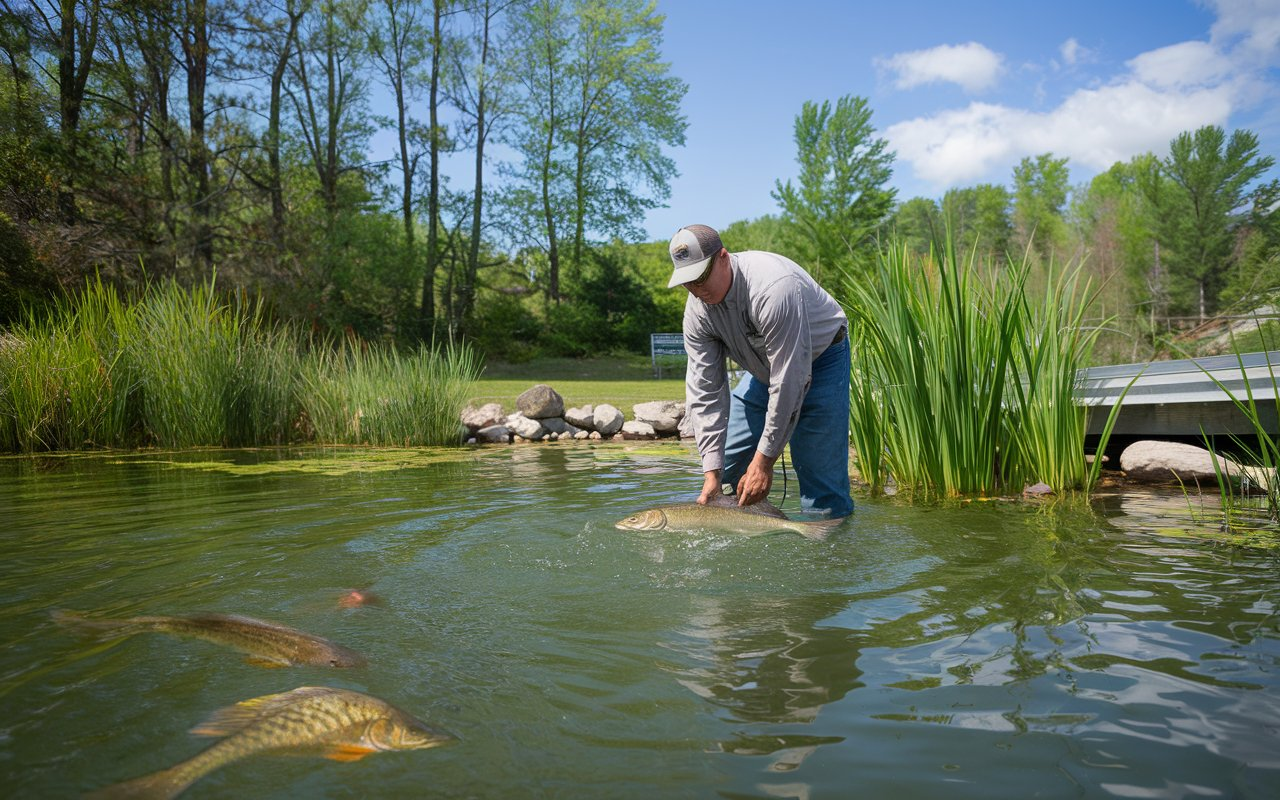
372 395
961 383
213 372
64 381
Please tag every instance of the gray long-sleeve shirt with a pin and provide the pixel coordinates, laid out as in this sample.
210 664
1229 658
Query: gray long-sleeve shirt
774 322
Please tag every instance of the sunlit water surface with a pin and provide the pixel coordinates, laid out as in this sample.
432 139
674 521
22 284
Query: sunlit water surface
987 650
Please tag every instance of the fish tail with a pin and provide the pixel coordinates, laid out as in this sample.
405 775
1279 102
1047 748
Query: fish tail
817 530
160 785
74 619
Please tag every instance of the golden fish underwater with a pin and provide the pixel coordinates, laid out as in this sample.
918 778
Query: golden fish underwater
340 724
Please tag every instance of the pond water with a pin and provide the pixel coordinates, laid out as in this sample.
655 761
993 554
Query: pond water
984 650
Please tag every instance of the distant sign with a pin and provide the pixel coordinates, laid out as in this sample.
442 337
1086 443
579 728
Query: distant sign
665 344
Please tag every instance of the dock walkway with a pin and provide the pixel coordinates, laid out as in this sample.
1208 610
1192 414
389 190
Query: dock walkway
1180 398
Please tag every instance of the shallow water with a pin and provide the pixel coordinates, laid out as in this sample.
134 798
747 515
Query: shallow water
985 650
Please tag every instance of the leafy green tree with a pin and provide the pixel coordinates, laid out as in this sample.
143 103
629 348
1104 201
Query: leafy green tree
596 113
979 218
763 233
1212 174
537 195
622 113
840 198
398 43
918 224
1039 198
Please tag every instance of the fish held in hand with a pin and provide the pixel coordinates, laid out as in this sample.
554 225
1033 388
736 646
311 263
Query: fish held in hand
723 516
266 643
339 724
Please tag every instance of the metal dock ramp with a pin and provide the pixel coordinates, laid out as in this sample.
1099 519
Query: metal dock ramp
1180 398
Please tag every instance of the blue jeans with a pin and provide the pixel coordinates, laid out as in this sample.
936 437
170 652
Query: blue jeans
820 443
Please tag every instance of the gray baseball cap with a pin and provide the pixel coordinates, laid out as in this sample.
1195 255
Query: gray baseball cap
691 248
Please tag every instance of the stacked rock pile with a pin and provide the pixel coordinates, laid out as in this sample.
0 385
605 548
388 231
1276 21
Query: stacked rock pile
540 416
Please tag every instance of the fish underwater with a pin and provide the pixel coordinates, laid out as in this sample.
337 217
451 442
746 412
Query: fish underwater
724 515
267 643
359 598
339 724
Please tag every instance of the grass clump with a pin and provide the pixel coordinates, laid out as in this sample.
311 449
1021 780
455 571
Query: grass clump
355 395
192 367
962 381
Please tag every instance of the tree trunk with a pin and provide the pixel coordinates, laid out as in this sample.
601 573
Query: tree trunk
468 293
427 311
195 46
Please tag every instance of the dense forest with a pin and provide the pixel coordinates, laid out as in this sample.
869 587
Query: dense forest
296 150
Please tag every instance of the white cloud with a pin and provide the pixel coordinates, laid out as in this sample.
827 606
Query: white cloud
1071 51
1093 127
1183 64
971 65
1165 92
1249 28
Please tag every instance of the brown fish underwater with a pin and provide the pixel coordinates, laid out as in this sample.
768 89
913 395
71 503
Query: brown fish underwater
267 643
724 515
340 724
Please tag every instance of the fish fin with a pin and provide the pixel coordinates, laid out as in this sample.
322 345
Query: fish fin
265 661
348 751
229 720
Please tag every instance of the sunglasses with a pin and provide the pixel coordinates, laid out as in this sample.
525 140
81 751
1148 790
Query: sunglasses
706 273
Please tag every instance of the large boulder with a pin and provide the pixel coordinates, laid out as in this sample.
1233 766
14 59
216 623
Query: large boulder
483 417
608 419
524 427
583 418
1170 462
663 415
540 402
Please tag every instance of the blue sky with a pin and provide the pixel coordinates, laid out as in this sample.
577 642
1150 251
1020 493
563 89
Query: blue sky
962 90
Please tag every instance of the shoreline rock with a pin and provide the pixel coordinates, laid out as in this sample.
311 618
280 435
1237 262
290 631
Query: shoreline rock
541 416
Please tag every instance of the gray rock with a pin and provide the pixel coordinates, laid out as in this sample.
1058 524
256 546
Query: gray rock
1169 462
524 427
494 434
686 427
608 420
559 426
595 436
585 435
540 402
482 417
634 429
663 415
583 418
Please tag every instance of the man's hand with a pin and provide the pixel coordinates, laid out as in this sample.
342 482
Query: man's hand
710 487
755 484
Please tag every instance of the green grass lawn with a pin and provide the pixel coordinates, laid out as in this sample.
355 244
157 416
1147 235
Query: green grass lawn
620 381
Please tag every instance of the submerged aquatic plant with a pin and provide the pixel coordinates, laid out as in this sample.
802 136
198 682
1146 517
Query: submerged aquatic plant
962 382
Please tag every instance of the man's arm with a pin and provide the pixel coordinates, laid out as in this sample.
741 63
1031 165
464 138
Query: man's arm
784 325
706 401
